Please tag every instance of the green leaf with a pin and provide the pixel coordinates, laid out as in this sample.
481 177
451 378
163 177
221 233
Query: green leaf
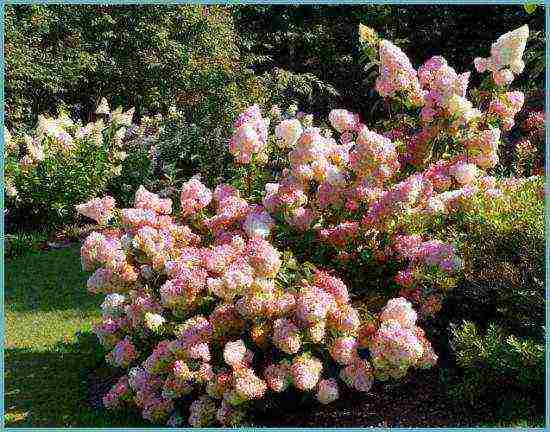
530 7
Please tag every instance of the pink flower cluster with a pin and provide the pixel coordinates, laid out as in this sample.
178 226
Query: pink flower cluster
506 56
397 74
98 209
399 344
250 137
444 90
505 107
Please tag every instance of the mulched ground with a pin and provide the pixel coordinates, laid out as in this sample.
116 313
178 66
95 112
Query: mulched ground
420 402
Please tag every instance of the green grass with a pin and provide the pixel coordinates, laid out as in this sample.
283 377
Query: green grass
46 361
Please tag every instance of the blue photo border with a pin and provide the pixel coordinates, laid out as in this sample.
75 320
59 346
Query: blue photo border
545 4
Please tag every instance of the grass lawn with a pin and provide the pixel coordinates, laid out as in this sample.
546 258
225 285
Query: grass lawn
47 305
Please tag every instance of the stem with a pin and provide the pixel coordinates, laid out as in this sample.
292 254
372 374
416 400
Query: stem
249 174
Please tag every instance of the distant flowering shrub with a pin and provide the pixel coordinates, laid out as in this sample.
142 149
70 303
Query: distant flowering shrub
65 162
205 313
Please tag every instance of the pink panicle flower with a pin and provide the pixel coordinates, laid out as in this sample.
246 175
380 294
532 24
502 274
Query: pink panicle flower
438 174
248 385
313 304
223 191
445 90
100 250
484 147
374 156
263 257
286 336
108 330
397 74
464 173
300 218
342 120
258 223
194 197
148 200
250 136
344 350
506 54
278 376
305 371
358 375
400 310
332 285
117 394
344 318
230 211
288 132
506 107
394 349
194 330
234 353
123 354
503 77
98 209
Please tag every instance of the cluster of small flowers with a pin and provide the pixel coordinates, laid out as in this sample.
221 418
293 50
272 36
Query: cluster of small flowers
397 76
418 253
62 135
250 138
529 147
399 344
160 279
445 90
506 56
98 209
505 107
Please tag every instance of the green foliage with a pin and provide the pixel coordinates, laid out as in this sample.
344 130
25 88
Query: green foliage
22 243
495 363
305 90
492 324
149 57
503 249
185 149
68 175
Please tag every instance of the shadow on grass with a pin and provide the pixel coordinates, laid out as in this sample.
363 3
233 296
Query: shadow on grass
51 389
48 281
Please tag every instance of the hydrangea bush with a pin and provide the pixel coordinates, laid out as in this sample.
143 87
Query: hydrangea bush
216 299
201 306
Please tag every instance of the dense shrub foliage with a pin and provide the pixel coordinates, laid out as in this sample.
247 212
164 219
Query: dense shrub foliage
315 266
149 57
497 312
497 364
